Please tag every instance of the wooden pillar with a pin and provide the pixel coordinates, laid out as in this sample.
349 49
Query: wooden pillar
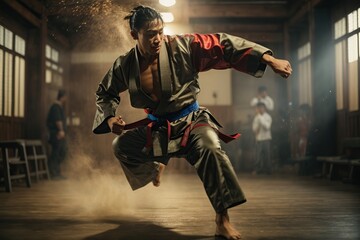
323 79
35 80
42 90
287 56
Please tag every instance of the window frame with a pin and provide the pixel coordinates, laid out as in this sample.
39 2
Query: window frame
15 105
345 74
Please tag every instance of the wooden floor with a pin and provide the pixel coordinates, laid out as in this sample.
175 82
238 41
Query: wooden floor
102 206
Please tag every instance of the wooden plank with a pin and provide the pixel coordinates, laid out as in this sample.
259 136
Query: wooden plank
104 207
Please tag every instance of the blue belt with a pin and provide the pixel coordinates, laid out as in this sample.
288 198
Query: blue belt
175 115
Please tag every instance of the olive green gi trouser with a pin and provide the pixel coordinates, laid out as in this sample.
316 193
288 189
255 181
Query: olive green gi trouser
202 150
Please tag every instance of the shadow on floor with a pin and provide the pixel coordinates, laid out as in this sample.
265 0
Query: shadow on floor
136 230
132 229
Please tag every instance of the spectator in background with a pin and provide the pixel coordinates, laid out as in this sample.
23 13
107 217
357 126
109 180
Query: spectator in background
303 126
56 124
262 129
264 98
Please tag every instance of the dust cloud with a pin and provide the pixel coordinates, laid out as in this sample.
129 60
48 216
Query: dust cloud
98 190
92 25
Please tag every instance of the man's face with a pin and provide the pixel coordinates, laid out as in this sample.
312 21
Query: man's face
150 37
260 109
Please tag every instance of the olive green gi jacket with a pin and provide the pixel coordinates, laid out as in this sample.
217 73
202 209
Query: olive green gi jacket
181 59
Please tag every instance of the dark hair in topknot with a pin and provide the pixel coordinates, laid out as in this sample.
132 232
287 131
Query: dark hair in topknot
139 15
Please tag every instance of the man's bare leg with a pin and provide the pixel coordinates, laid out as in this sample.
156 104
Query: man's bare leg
224 228
156 180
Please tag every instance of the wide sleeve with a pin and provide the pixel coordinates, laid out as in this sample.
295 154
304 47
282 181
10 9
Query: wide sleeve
221 51
107 97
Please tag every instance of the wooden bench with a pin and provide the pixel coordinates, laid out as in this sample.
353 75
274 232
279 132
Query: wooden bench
347 161
353 164
37 158
304 164
13 154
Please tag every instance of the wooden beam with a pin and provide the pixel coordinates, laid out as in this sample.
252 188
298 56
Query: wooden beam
222 27
24 12
261 37
34 5
237 10
304 9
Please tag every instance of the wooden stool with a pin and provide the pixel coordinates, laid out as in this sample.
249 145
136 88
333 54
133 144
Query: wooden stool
14 153
36 153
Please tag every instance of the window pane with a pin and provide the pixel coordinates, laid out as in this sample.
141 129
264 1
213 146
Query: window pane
1 81
48 52
54 55
352 48
340 28
339 73
19 87
8 39
305 88
8 84
304 51
309 82
352 21
48 76
353 86
19 45
16 85
54 66
48 63
359 44
57 78
1 35
22 88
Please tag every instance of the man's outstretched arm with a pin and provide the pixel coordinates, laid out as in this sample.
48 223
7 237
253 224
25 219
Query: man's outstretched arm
279 66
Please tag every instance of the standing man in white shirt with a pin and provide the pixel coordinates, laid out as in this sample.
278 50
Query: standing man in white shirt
264 98
262 129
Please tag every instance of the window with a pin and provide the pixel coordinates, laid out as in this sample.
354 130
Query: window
53 74
305 83
340 28
12 74
353 73
340 49
347 54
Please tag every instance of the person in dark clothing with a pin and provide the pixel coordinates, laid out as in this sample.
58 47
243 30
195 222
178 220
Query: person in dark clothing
56 124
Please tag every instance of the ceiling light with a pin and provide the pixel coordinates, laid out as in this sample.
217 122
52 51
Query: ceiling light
167 3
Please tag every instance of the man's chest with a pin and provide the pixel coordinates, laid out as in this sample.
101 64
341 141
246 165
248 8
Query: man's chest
150 80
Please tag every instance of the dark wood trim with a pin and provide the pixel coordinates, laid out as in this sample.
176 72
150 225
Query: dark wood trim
24 12
34 5
298 14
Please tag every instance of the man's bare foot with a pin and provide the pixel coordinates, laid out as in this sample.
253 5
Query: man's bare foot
224 228
156 180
